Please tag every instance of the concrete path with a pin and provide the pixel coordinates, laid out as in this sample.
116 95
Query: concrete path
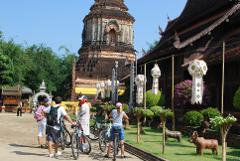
18 142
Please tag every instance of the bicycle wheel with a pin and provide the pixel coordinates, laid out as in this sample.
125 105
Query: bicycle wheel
93 135
75 146
61 140
85 145
102 141
115 147
67 137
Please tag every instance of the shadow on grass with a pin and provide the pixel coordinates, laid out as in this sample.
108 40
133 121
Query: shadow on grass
234 153
178 145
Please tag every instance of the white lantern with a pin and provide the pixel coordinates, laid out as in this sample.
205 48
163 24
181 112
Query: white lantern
197 69
98 87
156 73
102 90
140 80
108 85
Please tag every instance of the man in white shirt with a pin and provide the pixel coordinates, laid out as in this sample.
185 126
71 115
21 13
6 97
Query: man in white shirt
83 115
54 115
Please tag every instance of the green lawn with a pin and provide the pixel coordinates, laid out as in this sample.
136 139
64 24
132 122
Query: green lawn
174 151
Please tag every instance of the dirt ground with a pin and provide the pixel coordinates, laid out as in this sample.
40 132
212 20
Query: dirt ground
18 142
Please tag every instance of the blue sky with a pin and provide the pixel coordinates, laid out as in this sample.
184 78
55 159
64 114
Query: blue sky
59 22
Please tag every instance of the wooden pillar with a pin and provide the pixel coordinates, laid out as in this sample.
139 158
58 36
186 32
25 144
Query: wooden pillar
223 74
145 86
172 95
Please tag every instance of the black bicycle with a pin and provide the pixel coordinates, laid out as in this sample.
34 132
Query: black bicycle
116 145
104 137
65 136
80 142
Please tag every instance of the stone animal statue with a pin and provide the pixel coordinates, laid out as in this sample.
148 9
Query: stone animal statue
173 134
202 144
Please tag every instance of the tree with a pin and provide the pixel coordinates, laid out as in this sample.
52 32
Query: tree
224 123
154 99
6 70
139 113
163 114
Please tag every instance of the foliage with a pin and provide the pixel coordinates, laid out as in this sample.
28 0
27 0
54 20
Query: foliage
125 107
108 107
139 112
148 114
193 118
93 109
154 100
236 99
156 110
221 121
6 70
36 63
183 94
210 113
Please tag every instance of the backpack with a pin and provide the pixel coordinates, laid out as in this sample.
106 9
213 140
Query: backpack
52 117
38 114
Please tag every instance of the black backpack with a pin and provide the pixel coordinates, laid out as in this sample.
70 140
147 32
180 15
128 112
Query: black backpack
52 117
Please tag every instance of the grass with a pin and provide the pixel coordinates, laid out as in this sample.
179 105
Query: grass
175 151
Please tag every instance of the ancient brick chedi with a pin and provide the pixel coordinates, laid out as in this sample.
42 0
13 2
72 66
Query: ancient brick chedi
107 37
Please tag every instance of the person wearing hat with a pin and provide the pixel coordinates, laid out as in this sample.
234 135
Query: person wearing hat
83 114
41 119
117 115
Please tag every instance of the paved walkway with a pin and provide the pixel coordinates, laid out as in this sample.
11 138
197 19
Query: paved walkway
18 142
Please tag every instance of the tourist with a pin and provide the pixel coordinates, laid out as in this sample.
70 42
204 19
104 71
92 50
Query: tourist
83 114
41 119
117 115
19 109
54 115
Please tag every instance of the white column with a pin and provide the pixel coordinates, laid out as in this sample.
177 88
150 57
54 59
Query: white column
93 29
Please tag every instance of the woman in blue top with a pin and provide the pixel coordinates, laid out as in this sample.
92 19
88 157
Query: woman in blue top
117 115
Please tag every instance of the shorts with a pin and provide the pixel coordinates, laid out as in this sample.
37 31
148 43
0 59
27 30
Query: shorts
41 127
53 134
119 130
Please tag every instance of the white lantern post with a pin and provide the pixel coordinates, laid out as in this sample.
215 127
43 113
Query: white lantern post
108 85
197 69
102 90
140 80
156 73
98 87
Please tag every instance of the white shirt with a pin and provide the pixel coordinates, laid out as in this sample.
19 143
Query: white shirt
83 114
60 113
117 117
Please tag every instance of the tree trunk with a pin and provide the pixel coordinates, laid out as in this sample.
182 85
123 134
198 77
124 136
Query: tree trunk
163 136
224 147
138 130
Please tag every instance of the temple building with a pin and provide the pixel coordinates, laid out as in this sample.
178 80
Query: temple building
199 33
107 37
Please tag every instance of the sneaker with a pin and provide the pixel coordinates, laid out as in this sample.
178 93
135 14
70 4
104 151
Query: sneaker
58 153
51 155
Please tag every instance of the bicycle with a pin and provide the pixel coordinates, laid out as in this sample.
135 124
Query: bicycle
80 142
65 136
104 137
96 129
116 144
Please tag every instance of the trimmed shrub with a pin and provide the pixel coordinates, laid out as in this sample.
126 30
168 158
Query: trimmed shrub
156 110
183 94
236 99
210 113
193 118
154 99
125 107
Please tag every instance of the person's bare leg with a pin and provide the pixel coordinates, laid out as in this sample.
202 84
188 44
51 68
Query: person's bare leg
50 147
122 148
109 148
39 140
